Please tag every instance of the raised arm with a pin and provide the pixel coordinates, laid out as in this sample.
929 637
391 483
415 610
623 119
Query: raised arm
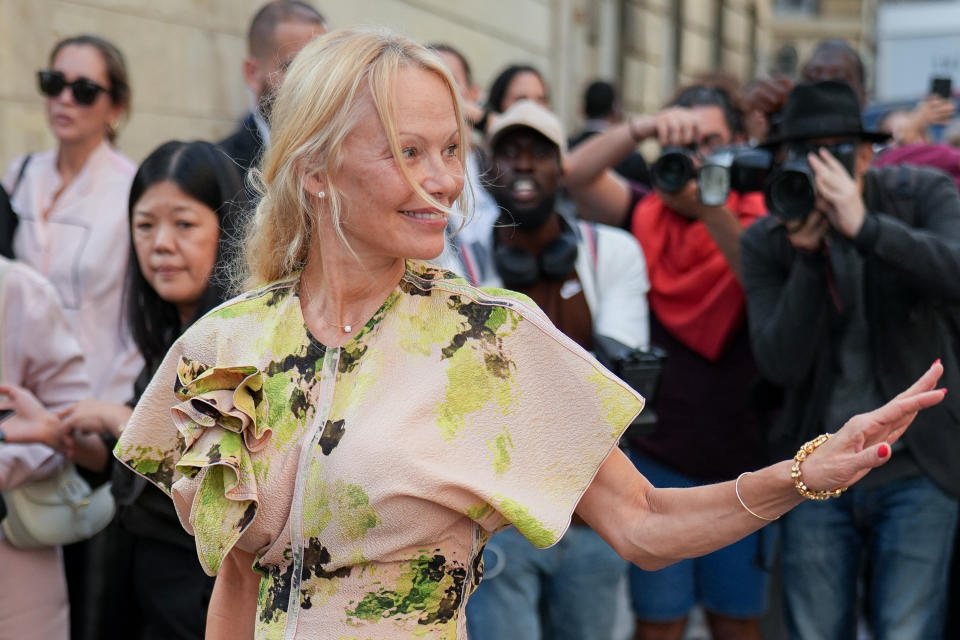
602 195
591 158
655 527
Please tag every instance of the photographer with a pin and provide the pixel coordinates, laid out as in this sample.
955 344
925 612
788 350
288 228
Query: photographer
846 301
707 430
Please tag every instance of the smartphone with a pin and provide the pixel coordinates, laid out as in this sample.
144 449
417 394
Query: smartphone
941 86
6 413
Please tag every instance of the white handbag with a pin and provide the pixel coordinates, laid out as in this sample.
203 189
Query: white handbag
57 510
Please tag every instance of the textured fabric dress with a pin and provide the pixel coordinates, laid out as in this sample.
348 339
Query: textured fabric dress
367 478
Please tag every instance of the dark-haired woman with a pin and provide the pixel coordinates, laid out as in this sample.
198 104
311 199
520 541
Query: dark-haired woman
517 82
180 218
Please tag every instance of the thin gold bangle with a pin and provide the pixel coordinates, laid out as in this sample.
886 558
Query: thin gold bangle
743 504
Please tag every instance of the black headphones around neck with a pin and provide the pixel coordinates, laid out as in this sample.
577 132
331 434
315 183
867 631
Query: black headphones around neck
518 268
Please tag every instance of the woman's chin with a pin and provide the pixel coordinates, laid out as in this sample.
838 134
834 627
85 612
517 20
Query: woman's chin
424 251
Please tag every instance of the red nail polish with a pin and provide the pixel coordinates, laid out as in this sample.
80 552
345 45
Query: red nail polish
937 362
883 451
944 391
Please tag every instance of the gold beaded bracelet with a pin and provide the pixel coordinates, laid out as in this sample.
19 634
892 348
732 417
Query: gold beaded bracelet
797 474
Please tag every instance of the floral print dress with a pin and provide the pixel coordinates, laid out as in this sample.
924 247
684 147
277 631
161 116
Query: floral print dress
367 478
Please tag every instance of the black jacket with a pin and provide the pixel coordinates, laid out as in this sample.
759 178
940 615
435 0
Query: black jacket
910 243
244 145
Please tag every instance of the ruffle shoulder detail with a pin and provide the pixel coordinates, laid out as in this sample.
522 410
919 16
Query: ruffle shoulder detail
221 418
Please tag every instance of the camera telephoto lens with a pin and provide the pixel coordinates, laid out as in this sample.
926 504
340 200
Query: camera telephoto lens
790 194
673 169
713 185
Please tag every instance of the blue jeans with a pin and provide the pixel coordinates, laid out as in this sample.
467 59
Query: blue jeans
568 591
731 581
904 531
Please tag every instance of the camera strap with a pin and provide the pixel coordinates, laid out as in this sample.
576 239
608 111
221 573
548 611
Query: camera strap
832 279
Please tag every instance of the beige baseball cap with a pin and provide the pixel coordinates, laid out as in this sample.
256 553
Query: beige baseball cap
527 113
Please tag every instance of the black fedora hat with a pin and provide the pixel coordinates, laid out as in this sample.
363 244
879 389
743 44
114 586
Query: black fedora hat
825 109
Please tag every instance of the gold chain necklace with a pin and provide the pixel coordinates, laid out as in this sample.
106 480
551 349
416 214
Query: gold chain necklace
346 328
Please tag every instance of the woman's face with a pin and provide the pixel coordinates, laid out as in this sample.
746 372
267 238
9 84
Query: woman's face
526 85
383 217
175 239
73 123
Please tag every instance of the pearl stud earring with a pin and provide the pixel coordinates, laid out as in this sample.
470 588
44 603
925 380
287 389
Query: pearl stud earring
321 194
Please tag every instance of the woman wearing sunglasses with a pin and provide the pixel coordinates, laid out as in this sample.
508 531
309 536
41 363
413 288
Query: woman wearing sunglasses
71 201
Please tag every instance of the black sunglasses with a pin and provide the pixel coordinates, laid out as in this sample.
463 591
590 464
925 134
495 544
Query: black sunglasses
84 91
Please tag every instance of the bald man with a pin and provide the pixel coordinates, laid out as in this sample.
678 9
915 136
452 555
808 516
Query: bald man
278 32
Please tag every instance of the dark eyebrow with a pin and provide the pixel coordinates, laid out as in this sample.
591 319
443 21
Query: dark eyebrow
177 209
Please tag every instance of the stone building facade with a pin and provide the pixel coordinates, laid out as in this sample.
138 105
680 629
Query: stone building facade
798 25
185 55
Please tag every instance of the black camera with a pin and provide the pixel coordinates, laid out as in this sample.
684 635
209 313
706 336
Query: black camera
791 190
729 169
673 169
737 168
640 369
789 186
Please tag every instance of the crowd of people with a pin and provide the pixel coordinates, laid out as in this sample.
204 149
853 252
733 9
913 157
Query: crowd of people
330 358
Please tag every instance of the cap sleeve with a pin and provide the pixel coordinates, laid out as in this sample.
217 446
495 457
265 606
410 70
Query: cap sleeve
192 434
531 416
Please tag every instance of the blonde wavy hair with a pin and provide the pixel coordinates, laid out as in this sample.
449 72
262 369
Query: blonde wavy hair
317 106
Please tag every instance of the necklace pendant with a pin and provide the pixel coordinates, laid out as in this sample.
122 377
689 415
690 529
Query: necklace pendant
346 328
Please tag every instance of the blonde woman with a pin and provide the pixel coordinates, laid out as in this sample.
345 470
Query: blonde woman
346 437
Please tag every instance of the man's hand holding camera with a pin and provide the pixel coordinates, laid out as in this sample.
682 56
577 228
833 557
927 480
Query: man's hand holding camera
808 234
839 204
839 198
678 127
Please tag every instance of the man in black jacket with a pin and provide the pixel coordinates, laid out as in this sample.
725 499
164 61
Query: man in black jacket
846 304
277 33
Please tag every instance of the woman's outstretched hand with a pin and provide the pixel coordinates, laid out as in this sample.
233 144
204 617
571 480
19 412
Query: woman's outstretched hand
864 441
